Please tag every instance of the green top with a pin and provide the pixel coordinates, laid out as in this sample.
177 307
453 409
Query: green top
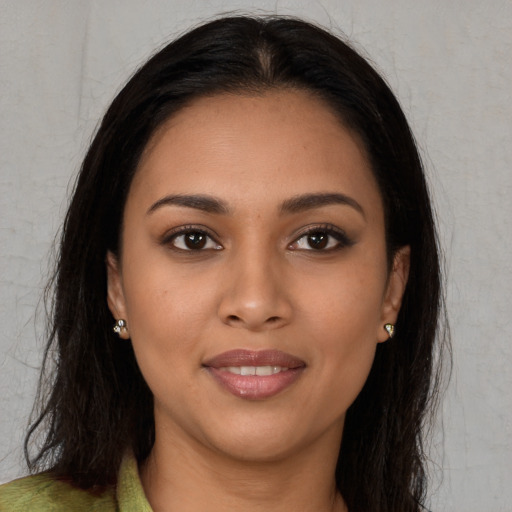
42 493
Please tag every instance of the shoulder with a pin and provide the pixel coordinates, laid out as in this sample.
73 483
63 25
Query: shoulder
40 493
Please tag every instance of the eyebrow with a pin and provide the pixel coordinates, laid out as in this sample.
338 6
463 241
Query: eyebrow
204 203
296 204
310 201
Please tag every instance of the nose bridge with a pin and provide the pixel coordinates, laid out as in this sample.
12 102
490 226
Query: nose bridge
255 297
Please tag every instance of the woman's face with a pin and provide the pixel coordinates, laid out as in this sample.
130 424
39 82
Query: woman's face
253 275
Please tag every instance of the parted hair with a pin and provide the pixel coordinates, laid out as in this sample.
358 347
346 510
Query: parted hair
93 403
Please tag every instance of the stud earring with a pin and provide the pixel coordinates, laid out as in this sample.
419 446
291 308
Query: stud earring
390 328
120 327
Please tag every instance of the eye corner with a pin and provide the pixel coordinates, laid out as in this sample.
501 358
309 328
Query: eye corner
191 239
329 238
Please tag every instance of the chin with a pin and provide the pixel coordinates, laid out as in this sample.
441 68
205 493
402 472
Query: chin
271 440
258 449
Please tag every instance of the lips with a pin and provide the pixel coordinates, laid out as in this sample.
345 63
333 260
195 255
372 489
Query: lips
255 375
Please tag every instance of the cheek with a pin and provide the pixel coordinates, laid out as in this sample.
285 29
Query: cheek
342 318
165 328
164 298
166 314
345 303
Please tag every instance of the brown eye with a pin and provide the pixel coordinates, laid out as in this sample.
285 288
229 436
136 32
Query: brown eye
322 239
318 240
193 241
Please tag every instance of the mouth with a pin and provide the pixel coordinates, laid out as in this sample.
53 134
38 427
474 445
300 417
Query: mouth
255 375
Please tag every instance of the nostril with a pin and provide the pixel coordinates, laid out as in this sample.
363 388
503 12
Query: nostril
234 319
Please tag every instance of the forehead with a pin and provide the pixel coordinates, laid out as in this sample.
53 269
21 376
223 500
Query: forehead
265 147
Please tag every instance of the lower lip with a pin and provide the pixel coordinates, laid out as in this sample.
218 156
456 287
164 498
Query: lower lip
255 387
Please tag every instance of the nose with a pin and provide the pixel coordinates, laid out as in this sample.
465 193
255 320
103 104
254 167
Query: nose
255 296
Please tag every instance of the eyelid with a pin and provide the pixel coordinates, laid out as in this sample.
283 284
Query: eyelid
331 230
173 233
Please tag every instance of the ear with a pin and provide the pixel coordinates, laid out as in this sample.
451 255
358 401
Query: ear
395 289
115 292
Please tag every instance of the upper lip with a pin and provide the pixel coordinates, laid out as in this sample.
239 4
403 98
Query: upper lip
242 357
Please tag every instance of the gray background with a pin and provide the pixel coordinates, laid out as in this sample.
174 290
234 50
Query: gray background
449 62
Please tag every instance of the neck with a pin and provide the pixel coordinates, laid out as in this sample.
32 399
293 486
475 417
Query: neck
187 477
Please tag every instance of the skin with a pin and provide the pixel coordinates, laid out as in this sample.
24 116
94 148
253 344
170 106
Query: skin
256 284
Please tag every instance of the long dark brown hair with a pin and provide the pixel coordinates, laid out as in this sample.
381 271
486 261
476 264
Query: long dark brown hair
93 404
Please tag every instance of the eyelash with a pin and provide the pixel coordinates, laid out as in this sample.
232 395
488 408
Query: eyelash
328 230
170 238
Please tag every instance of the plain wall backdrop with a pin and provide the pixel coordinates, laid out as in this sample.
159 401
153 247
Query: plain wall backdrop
449 62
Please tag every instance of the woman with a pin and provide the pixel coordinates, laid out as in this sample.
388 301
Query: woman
252 219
